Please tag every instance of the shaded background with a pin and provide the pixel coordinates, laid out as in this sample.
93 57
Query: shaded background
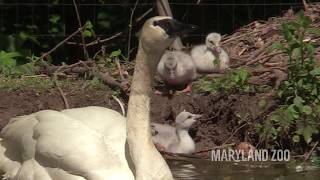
39 25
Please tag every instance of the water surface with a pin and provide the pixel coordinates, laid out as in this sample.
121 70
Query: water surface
195 169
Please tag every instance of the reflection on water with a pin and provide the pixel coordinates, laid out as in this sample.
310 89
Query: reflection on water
206 170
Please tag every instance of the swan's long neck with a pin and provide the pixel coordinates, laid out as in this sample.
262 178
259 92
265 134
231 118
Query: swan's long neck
148 162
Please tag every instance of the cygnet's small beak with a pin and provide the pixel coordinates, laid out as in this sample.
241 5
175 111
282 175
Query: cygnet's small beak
217 49
196 116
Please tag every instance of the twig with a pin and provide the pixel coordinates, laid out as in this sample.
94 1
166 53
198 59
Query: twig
199 1
61 43
240 36
258 53
97 41
85 52
310 152
217 147
234 132
55 80
120 104
144 15
130 28
120 69
305 5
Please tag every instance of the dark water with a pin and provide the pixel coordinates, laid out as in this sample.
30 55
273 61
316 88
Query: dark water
208 170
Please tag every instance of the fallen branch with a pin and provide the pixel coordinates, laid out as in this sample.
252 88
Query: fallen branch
55 81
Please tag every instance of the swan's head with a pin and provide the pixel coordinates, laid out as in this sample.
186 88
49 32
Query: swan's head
185 119
213 42
159 32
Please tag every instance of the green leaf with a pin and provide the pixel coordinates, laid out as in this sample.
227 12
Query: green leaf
298 101
307 110
296 53
54 19
303 20
8 61
307 134
310 48
296 138
263 103
276 46
115 53
294 113
87 33
315 72
216 61
88 25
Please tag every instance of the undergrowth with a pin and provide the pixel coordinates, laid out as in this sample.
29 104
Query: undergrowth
296 121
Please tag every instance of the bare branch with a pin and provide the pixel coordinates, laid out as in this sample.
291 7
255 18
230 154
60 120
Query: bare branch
130 28
85 52
61 43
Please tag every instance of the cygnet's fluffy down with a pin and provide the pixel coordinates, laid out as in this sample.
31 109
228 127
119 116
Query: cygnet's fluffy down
177 69
210 57
175 139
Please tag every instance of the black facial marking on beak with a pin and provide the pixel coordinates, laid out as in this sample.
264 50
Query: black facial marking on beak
174 28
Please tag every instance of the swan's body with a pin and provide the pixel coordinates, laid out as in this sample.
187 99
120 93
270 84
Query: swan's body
177 69
75 138
89 143
175 139
210 57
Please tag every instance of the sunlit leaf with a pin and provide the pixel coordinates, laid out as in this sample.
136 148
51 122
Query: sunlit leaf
307 110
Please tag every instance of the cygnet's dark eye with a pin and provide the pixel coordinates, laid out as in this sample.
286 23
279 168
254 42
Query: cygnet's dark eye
211 41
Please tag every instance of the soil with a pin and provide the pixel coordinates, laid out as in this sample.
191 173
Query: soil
220 114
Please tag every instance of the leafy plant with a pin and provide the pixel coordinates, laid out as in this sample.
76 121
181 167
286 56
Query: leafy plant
299 113
56 26
8 61
88 30
236 81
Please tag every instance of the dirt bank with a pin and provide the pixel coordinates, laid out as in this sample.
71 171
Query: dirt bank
221 115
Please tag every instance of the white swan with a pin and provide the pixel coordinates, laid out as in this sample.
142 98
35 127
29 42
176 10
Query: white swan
175 139
177 70
210 57
89 143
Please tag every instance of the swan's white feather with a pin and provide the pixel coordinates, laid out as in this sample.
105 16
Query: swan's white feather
64 140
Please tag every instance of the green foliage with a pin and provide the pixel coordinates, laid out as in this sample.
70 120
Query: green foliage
109 60
88 30
298 116
8 61
103 20
236 81
56 25
9 65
